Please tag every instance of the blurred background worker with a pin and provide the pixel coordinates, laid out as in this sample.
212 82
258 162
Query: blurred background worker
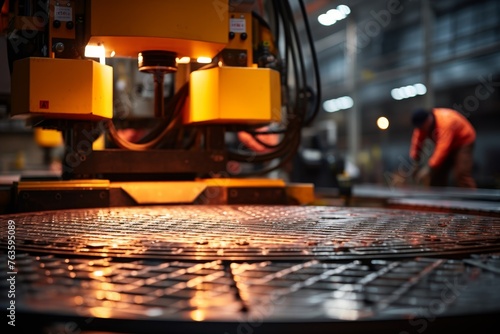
453 137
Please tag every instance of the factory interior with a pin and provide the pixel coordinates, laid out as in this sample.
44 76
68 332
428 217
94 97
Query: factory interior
250 166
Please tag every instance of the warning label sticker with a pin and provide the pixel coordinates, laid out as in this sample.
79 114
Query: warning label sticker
237 25
44 104
63 13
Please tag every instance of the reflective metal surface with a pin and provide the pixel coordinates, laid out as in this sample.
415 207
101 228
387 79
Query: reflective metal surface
259 269
448 205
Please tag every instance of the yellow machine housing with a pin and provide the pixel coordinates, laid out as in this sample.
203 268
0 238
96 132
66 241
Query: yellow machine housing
62 88
234 95
192 28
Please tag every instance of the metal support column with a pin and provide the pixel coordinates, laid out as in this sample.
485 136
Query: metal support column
427 16
354 117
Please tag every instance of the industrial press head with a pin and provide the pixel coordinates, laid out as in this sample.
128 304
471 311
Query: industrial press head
230 76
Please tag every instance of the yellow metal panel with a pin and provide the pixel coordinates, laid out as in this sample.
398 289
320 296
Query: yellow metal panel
234 95
102 90
191 28
259 183
62 88
99 143
204 95
162 192
301 193
63 185
48 137
275 95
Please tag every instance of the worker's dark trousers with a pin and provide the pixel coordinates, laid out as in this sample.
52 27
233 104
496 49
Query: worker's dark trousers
458 165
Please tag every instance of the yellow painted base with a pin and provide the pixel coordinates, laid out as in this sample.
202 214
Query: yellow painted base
174 192
63 185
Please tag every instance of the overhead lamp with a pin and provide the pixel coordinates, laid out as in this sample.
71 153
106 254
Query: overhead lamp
204 60
96 51
409 91
333 15
341 103
183 60
383 123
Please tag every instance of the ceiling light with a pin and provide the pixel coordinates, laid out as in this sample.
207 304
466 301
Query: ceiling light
383 123
326 20
183 60
334 15
341 103
204 60
409 91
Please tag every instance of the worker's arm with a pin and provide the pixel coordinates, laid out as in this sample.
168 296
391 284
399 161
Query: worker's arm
417 141
443 140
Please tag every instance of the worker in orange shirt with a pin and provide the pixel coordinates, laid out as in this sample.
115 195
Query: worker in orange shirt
453 136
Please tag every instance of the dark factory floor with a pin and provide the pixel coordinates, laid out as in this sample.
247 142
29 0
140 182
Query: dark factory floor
387 261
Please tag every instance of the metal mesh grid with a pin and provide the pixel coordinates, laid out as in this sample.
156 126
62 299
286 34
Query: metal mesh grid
236 264
253 232
217 291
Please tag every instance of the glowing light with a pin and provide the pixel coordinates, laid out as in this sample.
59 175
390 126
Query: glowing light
197 315
204 60
330 106
183 60
332 16
382 123
96 51
336 14
409 91
396 95
98 273
344 9
421 89
341 103
101 312
346 102
114 296
112 54
326 20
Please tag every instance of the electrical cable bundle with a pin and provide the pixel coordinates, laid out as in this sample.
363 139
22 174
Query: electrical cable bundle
170 132
157 135
297 94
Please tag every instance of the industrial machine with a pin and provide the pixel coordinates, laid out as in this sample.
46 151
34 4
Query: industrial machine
176 232
197 148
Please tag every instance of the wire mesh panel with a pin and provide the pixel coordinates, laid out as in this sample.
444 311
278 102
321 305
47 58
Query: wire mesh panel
264 268
252 232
